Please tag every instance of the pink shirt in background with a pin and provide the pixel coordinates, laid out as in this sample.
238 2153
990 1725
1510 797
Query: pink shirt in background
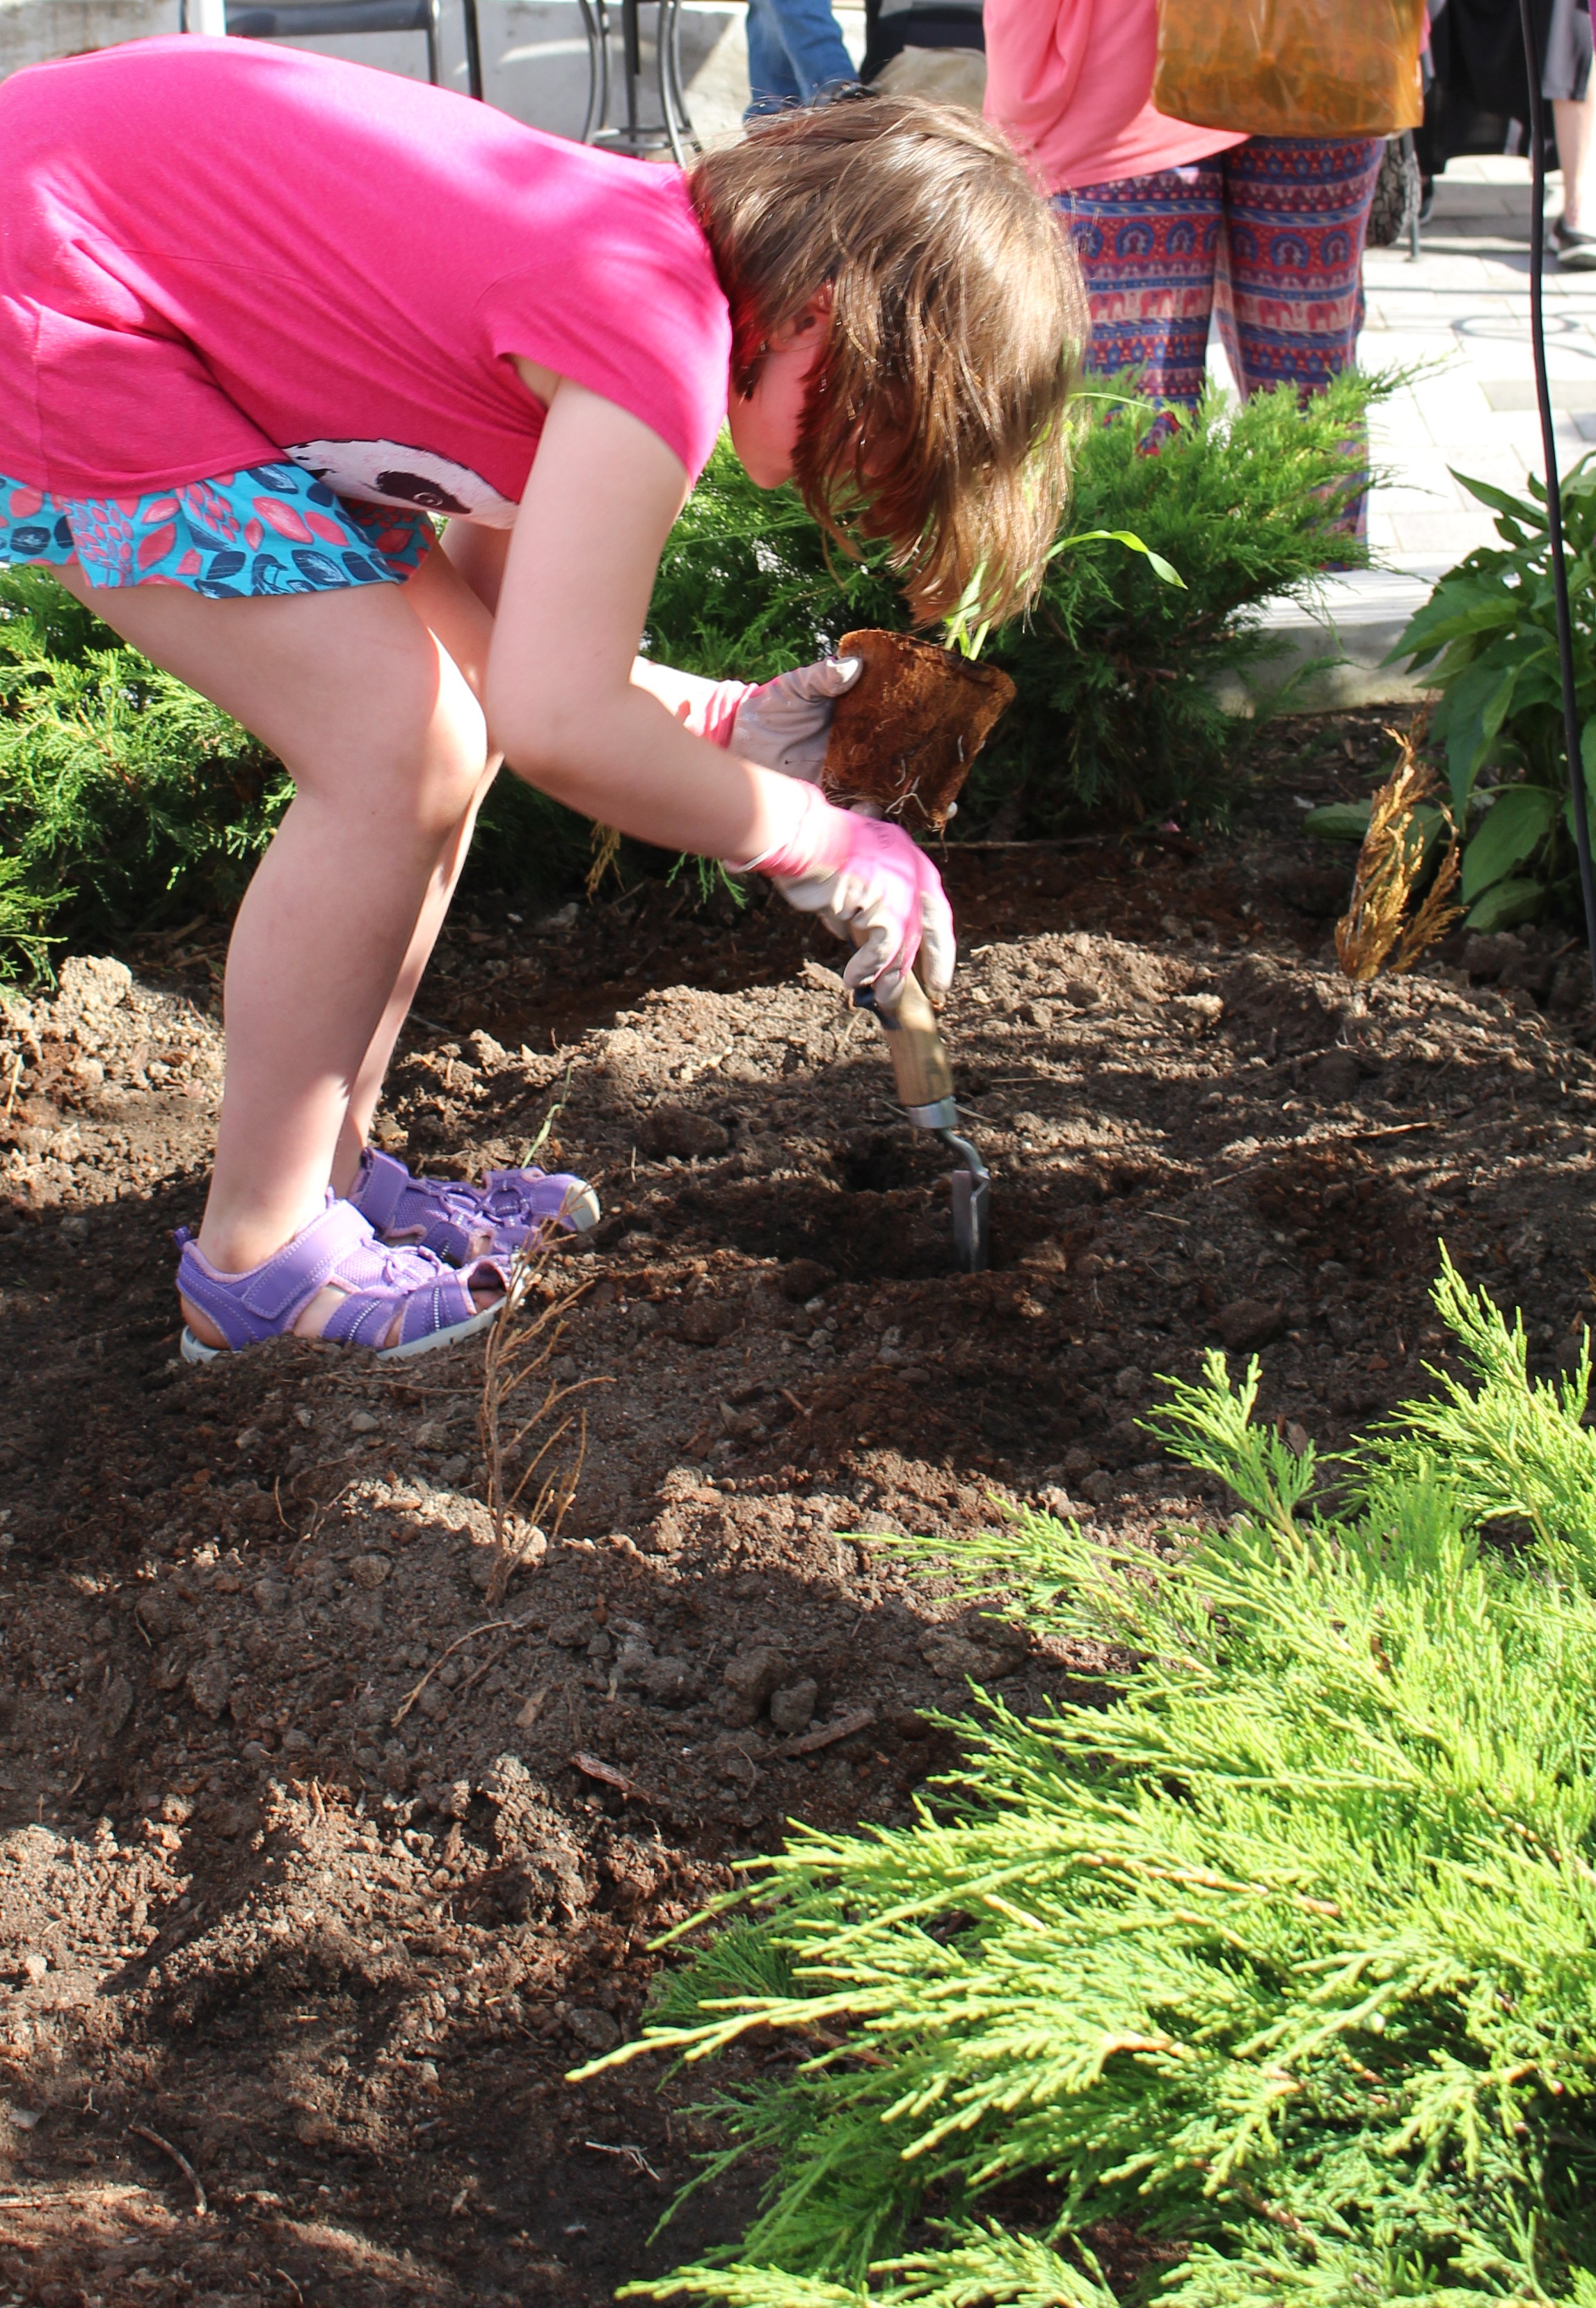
215 254
1070 82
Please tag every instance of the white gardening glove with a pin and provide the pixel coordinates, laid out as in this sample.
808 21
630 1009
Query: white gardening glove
784 724
868 882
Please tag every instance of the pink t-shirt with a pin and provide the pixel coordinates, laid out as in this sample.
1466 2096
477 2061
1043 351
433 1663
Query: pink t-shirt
215 254
1070 82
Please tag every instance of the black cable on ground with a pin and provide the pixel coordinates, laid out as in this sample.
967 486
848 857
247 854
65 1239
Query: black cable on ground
1554 497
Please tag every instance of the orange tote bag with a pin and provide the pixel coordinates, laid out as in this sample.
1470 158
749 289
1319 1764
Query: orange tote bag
1292 67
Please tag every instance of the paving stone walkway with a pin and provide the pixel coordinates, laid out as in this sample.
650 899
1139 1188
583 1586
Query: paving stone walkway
1461 314
1463 310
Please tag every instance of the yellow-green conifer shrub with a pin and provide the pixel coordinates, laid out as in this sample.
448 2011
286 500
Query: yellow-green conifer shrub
1286 1956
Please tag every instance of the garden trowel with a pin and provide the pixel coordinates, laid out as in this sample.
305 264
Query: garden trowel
901 744
925 1082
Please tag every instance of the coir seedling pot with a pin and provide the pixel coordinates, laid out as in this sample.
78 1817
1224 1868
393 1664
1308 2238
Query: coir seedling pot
904 735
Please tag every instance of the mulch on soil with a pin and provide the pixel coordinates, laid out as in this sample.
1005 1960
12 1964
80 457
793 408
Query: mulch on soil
318 1872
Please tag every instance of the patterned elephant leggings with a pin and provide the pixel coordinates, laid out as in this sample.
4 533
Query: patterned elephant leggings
1270 232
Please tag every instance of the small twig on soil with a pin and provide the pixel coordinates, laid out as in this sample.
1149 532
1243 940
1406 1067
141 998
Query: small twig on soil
594 1767
829 1733
1315 1146
788 1395
1392 1130
634 2155
16 1076
175 937
487 1628
142 2131
516 1352
494 1659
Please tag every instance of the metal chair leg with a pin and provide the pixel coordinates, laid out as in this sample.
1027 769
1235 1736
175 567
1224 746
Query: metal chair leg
604 77
672 101
473 50
600 18
598 51
632 53
432 44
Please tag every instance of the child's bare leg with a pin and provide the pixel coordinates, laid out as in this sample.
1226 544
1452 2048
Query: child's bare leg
387 747
453 612
368 1081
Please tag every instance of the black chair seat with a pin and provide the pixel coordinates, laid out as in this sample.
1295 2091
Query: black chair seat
289 19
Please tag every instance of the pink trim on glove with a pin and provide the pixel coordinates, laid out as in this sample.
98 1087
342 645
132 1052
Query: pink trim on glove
818 842
717 715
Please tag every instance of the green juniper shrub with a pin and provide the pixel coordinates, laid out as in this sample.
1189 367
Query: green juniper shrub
1488 638
1115 666
126 800
123 796
1286 1957
1116 671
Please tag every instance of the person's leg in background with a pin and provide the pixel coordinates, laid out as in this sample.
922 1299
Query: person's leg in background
1567 79
1147 247
1291 300
794 50
1577 156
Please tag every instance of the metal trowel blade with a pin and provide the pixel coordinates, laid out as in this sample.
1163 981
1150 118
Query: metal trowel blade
970 1198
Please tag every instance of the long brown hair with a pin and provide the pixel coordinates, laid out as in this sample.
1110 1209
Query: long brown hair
937 414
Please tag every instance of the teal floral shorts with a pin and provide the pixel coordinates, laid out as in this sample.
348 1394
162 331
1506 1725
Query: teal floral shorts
272 529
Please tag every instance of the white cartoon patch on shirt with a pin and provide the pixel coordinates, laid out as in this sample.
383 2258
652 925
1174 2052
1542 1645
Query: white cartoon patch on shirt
396 473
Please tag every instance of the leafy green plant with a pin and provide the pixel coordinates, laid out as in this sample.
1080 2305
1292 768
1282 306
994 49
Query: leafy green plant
1286 1957
1488 637
1116 665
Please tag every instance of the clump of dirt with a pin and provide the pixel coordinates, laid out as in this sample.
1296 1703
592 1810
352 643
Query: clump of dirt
318 1873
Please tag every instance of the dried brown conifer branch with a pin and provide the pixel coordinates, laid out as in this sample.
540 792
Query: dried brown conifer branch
1377 927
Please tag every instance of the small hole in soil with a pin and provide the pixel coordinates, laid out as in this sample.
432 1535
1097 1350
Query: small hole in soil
876 1166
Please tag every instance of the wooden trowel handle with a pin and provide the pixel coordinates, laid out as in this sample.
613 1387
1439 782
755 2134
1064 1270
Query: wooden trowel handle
920 1065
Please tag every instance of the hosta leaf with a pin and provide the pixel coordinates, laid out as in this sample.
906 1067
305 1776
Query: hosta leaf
1505 903
1519 509
1338 820
1477 708
1515 824
1452 614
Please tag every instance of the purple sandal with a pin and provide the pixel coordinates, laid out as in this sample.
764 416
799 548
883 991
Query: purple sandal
432 1301
457 1221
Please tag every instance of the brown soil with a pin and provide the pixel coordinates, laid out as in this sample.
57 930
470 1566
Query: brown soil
299 1872
904 735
